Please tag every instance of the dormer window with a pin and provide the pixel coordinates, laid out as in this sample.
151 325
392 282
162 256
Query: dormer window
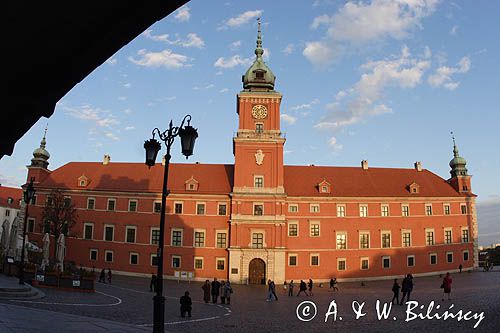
324 187
10 200
414 188
83 181
191 184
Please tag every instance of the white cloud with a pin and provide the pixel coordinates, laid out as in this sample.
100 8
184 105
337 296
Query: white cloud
122 98
306 106
240 20
111 136
289 49
103 121
192 39
129 128
170 98
165 58
223 90
235 45
363 99
183 14
288 118
333 143
127 85
127 111
358 23
112 61
7 180
454 30
443 76
235 60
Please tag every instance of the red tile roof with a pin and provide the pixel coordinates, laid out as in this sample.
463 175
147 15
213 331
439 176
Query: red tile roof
10 192
136 177
356 182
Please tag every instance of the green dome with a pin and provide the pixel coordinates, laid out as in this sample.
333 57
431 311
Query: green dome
457 164
41 155
259 76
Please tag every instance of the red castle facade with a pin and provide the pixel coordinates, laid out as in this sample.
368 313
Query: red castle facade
258 218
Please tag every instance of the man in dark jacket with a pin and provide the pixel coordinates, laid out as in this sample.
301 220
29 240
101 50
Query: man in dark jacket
152 283
186 305
215 290
395 290
406 288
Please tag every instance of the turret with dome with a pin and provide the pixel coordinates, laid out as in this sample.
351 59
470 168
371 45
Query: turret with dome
41 155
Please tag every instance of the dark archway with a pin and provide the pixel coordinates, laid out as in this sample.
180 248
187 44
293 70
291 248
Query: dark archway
257 271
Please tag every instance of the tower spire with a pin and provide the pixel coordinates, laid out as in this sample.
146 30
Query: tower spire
41 155
455 148
259 51
458 163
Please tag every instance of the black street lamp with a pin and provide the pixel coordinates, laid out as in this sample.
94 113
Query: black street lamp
188 136
29 194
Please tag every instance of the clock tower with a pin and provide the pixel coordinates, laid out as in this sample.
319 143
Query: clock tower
258 225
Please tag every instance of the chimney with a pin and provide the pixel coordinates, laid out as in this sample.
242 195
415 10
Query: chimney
106 160
364 164
418 166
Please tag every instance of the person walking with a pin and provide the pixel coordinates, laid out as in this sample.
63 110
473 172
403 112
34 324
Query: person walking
406 288
271 291
109 275
215 290
152 283
446 285
291 285
206 291
186 305
222 294
310 286
102 276
331 283
460 268
395 290
285 286
302 288
335 284
227 291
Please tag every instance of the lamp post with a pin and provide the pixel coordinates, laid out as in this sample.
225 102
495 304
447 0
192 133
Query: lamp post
188 136
28 196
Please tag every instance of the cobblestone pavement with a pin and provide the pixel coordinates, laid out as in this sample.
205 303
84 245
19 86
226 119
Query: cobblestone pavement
129 301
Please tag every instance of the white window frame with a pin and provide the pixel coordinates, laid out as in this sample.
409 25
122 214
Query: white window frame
363 210
382 212
85 224
337 234
461 209
444 208
104 233
408 257
433 236
136 205
258 231
312 208
131 227
32 219
290 255
217 259
359 239
182 207
310 259
172 237
202 263
361 263
402 210
293 205
88 199
404 231
345 264
462 233
204 208
444 235
258 204
175 256
220 231
218 208
255 177
468 255
296 223
151 235
204 238
130 258
382 232
433 254
390 262
96 254
452 257
431 210
114 207
151 256
311 223
341 212
106 256
154 204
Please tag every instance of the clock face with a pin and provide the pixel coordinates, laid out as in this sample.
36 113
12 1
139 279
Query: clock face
259 111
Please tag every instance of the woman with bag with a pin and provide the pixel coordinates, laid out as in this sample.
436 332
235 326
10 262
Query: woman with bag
446 285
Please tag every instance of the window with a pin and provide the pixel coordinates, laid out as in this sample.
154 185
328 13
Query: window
130 234
341 241
199 239
259 128
324 189
93 254
449 257
447 236
364 240
155 236
465 235
176 262
109 232
428 209
406 238
90 203
447 210
466 255
293 229
176 238
111 204
314 230
134 258
340 210
178 208
257 240
108 256
198 263
314 259
384 210
258 181
292 260
31 225
221 240
67 202
258 209
433 258
88 232
132 205
386 262
200 209
157 207
386 239
222 209
405 210
10 200
364 263
341 264
429 237
363 210
154 260
293 208
410 261
7 212
314 208
463 209
221 264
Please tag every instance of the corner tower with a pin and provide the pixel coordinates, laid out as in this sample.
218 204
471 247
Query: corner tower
460 179
258 145
40 162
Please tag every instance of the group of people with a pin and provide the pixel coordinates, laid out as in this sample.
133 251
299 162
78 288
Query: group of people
406 288
303 288
216 289
102 276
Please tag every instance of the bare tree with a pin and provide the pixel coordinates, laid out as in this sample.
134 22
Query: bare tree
59 215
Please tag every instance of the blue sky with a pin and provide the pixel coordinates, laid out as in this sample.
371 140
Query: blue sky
379 80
